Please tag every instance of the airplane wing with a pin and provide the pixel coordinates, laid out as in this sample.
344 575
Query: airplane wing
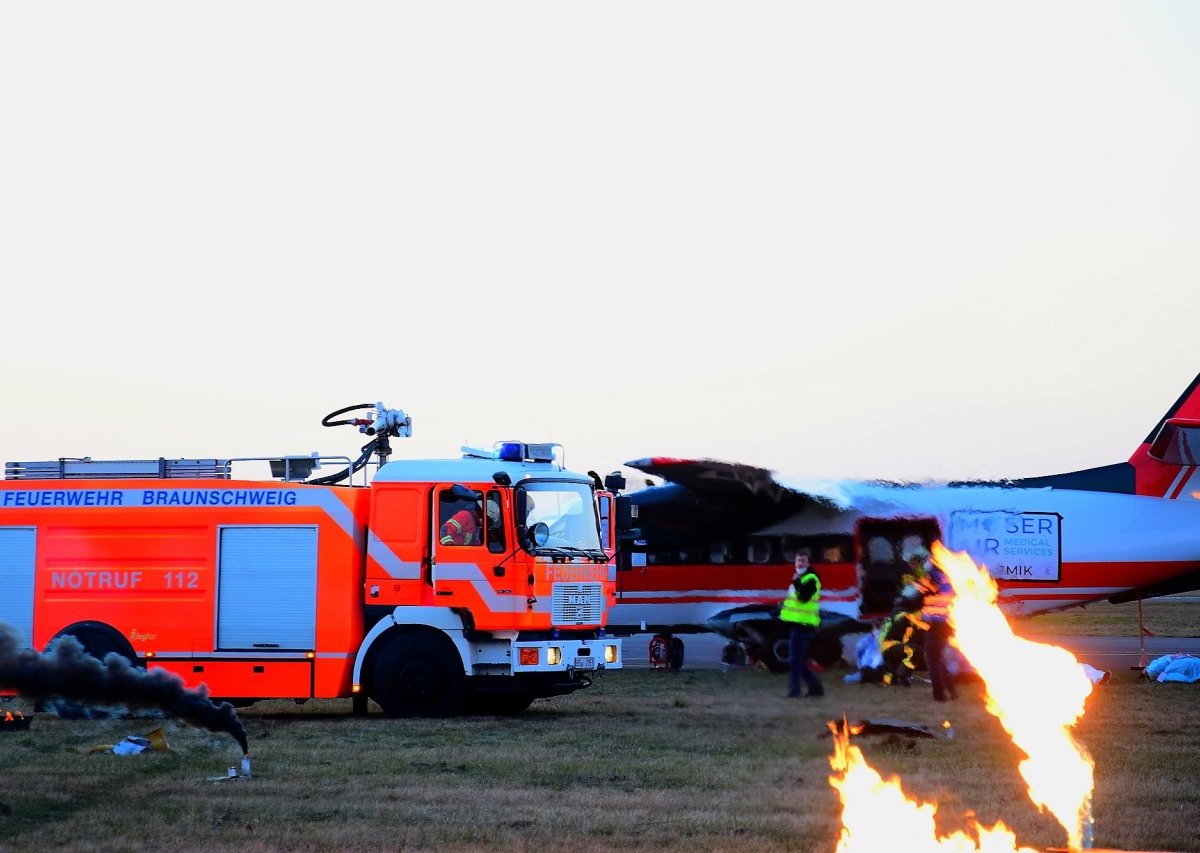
707 499
708 476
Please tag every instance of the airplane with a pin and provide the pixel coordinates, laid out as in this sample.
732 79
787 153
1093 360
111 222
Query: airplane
712 548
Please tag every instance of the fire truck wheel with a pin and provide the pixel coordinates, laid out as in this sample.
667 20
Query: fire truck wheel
97 642
418 675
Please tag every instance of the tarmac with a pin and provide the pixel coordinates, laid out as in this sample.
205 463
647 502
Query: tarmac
1116 654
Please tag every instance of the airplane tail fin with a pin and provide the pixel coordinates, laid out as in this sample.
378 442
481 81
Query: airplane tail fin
1167 463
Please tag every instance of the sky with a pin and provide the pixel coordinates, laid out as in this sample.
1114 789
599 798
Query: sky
911 241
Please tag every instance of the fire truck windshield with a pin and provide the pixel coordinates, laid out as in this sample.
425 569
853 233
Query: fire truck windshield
568 510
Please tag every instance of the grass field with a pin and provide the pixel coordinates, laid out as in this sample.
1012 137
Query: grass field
687 761
1172 616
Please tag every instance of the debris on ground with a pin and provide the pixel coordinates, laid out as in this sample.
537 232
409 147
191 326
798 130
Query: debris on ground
153 741
884 725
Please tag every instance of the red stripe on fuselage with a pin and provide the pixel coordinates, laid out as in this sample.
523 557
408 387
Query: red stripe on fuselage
729 576
726 580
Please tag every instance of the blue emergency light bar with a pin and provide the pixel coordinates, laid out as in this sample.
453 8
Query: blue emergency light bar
519 451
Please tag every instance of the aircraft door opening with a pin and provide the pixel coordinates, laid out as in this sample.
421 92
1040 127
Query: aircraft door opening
883 548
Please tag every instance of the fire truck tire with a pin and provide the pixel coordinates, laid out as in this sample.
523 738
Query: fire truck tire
97 641
418 675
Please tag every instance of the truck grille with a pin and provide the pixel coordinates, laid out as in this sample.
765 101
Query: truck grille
577 604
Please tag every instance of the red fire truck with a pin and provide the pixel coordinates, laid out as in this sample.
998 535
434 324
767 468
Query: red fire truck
481 582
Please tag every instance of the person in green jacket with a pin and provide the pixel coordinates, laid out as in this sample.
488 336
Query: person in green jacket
800 611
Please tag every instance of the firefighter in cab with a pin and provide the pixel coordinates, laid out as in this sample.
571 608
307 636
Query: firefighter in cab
463 526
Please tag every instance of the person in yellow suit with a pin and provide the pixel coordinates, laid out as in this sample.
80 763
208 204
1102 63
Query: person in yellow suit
899 635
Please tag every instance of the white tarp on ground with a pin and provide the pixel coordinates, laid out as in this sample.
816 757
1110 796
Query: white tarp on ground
1184 668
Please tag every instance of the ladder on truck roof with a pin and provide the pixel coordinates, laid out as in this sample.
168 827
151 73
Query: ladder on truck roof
119 469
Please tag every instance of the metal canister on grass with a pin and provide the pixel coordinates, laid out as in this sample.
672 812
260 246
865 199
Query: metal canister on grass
246 766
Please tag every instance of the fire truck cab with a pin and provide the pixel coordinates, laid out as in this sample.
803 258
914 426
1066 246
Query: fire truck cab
476 583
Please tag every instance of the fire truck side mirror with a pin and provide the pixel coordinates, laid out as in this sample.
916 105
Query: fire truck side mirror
624 513
614 482
539 534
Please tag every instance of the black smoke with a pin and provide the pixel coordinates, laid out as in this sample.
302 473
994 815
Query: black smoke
65 671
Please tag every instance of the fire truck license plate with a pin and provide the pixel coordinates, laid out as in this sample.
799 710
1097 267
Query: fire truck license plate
585 663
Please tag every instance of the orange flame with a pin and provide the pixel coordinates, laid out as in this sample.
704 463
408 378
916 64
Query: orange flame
876 815
1035 690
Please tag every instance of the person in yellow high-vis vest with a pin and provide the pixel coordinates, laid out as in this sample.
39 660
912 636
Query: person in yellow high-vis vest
800 610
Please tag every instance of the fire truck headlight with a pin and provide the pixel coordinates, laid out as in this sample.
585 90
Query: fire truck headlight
529 656
610 654
554 655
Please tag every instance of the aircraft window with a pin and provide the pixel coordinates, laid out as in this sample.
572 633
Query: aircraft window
833 554
880 550
788 548
759 551
909 544
691 555
719 553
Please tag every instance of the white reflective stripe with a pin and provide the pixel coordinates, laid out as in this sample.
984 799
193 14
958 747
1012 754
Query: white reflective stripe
321 497
774 594
459 572
393 565
261 496
1055 591
515 602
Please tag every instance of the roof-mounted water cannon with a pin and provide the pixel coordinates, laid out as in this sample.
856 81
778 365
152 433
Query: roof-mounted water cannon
387 424
381 423
393 422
